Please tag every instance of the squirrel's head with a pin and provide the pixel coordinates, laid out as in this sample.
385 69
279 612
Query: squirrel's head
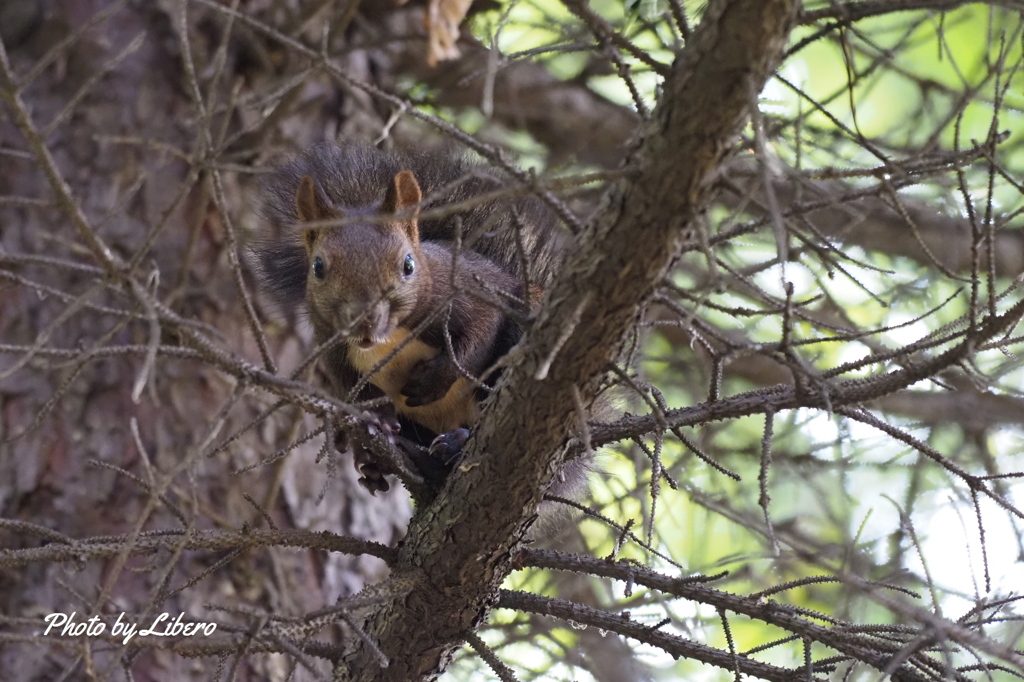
364 275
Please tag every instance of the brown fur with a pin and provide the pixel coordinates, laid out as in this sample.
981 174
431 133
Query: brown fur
363 289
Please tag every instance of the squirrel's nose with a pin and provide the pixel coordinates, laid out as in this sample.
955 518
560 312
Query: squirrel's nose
373 327
379 316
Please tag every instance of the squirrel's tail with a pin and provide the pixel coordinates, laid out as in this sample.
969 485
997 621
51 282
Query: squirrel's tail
281 268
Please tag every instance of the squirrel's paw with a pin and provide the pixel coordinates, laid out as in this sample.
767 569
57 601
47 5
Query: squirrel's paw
341 442
447 448
428 382
371 475
375 423
382 423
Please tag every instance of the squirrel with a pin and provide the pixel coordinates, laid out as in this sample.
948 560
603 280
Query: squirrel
422 320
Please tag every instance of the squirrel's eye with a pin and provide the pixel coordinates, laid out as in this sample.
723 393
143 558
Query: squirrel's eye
318 267
409 266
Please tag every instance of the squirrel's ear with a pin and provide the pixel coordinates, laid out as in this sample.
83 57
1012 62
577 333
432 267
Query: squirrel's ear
312 206
310 203
403 193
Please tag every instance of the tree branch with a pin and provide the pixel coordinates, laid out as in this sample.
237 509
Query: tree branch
610 276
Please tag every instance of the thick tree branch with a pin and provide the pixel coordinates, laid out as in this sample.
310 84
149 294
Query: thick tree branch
590 308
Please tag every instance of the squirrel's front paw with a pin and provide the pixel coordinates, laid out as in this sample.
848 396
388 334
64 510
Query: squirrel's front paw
385 422
428 381
341 443
371 474
447 448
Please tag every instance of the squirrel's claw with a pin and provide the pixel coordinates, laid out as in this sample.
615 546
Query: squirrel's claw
447 448
371 477
382 423
341 442
373 480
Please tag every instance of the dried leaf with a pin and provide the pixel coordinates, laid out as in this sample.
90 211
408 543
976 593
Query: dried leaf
443 19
